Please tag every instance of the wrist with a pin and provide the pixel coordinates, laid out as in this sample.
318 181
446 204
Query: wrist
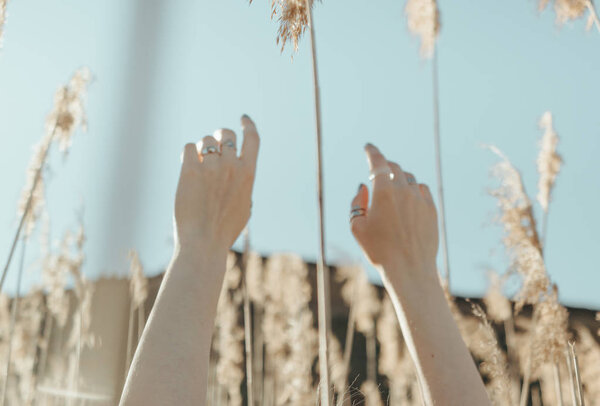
410 279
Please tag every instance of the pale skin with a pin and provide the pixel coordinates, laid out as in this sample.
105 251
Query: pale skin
397 232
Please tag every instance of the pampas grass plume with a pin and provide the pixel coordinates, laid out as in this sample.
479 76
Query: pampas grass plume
424 21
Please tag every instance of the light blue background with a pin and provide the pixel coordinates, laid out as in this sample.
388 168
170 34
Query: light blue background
169 72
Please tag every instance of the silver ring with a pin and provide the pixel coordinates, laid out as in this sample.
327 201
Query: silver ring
229 143
211 149
357 213
381 171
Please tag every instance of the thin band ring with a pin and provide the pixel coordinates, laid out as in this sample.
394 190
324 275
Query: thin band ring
357 212
229 144
211 149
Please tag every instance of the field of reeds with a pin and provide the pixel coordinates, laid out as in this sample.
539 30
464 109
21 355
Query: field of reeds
289 332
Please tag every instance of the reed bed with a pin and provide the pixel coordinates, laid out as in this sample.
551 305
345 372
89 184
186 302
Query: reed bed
277 340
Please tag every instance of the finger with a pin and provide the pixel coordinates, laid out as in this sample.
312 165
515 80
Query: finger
358 211
251 142
227 143
399 175
426 193
380 170
189 155
209 149
410 179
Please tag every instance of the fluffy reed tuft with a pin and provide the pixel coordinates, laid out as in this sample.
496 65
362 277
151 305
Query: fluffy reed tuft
2 18
67 114
497 305
494 364
358 292
548 161
230 334
293 20
138 287
424 20
520 234
372 394
567 10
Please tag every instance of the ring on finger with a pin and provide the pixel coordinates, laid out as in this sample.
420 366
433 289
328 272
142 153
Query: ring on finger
210 149
357 212
229 144
381 171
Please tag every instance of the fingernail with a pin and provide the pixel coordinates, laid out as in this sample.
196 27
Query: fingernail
246 116
360 187
369 145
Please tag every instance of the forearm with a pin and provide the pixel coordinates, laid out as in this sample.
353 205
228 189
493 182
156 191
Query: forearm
170 365
447 372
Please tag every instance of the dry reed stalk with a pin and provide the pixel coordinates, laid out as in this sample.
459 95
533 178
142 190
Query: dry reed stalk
67 114
229 345
571 376
394 360
290 338
589 356
138 293
575 365
254 281
323 297
423 19
247 321
13 318
293 17
494 364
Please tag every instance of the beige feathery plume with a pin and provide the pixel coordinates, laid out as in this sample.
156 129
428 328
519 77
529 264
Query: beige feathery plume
255 278
338 368
494 364
293 20
571 10
138 286
548 161
2 18
55 270
290 337
589 363
550 333
497 305
424 20
520 234
372 394
394 361
230 342
67 114
357 291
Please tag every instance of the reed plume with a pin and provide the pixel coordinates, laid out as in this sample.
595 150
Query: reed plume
292 16
424 21
521 238
2 19
372 394
67 114
567 10
589 357
230 340
494 364
290 338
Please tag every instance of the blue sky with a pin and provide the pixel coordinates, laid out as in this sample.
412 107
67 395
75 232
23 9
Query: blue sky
167 73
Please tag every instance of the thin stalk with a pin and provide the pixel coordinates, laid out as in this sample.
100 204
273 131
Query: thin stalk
247 323
593 13
129 352
45 349
322 276
349 340
371 357
557 387
438 167
571 376
577 377
13 318
36 179
509 331
544 231
141 313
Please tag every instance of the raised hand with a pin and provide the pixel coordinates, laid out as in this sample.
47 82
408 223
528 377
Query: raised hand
214 194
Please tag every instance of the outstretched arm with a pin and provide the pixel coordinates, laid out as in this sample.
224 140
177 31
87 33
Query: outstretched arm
398 233
212 206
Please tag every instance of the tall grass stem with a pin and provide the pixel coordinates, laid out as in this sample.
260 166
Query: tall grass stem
438 166
247 322
322 275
